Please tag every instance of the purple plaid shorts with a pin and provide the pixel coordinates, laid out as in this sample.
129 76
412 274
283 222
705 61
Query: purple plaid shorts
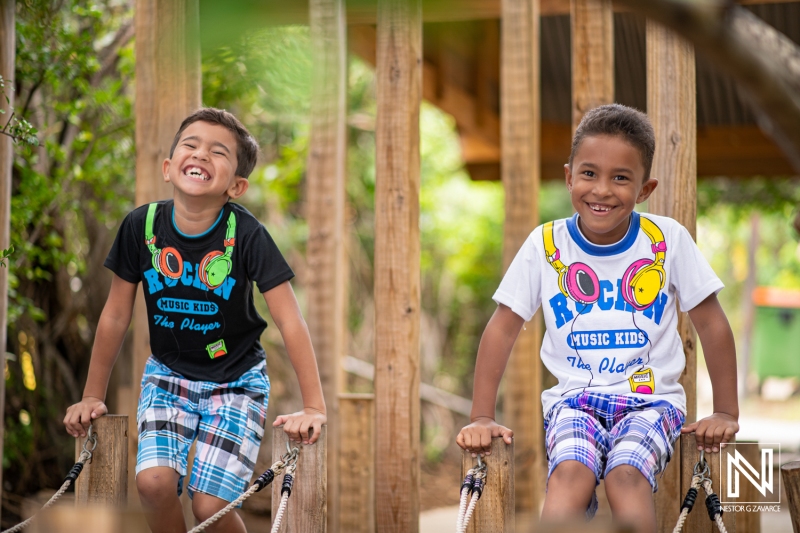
604 431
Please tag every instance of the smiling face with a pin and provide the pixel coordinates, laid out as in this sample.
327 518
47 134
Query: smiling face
204 162
605 183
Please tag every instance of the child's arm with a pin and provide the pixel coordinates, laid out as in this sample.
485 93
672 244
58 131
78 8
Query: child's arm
286 314
720 352
111 329
493 352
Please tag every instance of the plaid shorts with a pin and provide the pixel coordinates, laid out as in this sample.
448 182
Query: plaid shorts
226 418
604 431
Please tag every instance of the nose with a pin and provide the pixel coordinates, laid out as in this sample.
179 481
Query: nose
601 187
200 153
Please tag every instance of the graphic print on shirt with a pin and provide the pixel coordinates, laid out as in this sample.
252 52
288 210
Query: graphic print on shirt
638 290
212 273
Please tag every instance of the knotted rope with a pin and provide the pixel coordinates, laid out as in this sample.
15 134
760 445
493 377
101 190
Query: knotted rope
473 485
700 478
287 462
86 455
286 491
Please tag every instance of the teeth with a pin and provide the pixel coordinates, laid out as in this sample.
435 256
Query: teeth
198 173
599 207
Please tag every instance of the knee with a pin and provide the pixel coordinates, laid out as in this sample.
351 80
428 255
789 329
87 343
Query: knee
569 473
627 477
156 487
204 506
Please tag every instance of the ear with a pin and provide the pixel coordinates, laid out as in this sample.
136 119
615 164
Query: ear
165 169
238 187
647 190
568 177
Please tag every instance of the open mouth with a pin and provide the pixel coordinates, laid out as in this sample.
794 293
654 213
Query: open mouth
196 173
599 208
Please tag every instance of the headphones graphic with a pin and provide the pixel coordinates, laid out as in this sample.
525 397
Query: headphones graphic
214 267
641 283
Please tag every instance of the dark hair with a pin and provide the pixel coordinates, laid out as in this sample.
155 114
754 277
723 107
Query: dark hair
621 121
246 145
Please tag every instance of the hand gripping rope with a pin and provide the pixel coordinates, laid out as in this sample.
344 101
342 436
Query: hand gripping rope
287 462
473 484
700 478
86 455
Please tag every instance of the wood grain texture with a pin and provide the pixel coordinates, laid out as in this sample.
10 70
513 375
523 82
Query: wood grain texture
325 208
698 520
168 89
520 123
790 474
357 463
397 270
7 55
494 512
748 522
592 23
671 105
307 509
104 480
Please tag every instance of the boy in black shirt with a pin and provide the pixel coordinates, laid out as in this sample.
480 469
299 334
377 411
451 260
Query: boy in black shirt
197 256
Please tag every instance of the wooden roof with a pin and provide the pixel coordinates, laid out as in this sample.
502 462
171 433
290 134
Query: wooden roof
461 76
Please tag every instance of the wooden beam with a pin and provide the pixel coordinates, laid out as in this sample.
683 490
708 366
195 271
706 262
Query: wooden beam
168 88
671 105
698 522
494 512
307 507
592 56
790 472
397 270
104 480
325 207
7 55
520 124
357 463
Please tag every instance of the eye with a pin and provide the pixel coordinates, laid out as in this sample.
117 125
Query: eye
588 173
621 177
218 153
189 145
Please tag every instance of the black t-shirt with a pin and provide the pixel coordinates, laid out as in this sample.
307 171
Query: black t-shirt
203 324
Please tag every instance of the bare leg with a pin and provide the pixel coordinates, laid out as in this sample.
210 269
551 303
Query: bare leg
204 506
569 491
631 498
157 488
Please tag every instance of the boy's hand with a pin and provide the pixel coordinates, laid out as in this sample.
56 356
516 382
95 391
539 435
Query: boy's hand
80 415
297 425
477 437
713 430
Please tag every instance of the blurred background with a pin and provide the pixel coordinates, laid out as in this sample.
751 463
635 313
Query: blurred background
75 83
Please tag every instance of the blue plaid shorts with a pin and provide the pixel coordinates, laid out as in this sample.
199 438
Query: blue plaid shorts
227 419
604 431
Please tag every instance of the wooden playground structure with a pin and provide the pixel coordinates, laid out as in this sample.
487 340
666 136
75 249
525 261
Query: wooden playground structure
483 61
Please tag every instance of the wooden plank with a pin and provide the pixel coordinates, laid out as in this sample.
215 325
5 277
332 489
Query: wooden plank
397 270
325 208
671 104
7 55
790 472
748 521
104 480
520 124
306 511
592 23
168 88
494 512
698 520
357 463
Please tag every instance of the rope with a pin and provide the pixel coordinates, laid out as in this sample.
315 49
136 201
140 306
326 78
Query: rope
473 484
202 527
85 456
700 478
713 506
466 488
472 503
286 491
688 503
276 525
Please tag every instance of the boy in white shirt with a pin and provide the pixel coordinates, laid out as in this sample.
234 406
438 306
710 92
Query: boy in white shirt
608 280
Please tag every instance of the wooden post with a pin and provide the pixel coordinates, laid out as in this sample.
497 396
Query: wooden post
325 191
671 105
7 54
521 125
397 270
307 509
698 521
357 463
104 480
791 483
495 511
592 23
168 88
749 522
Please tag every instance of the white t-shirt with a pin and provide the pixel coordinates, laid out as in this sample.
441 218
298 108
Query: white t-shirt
603 334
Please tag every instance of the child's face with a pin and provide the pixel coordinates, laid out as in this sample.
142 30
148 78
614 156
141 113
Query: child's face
605 183
204 163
